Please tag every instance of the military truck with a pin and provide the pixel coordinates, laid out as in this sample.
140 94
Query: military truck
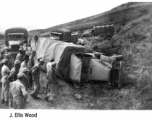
106 31
16 37
62 35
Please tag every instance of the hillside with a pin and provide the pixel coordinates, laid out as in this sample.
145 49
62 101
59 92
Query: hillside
114 16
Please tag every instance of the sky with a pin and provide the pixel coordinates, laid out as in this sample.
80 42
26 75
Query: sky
41 14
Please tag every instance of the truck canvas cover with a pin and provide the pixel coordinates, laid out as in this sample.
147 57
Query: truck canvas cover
61 52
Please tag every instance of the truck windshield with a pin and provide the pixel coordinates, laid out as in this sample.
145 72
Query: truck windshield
13 37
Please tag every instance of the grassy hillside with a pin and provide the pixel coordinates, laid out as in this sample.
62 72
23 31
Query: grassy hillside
114 16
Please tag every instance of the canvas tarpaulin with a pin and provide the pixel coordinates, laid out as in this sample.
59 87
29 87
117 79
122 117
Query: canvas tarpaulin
45 48
79 67
60 51
64 63
75 68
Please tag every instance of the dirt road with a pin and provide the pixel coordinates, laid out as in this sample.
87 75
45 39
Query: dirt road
90 97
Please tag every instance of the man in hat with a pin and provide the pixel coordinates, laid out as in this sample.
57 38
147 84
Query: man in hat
10 59
51 83
1 58
14 71
3 51
36 76
5 82
36 39
4 67
18 92
24 64
7 49
2 54
20 55
26 79
30 65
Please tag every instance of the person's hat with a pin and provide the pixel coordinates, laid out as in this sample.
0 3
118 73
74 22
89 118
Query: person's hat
2 51
39 59
17 62
6 48
23 70
20 75
4 60
7 55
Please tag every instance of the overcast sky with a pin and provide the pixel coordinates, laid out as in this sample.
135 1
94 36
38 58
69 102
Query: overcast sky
40 14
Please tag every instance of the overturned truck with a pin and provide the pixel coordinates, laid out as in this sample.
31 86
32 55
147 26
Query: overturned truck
74 64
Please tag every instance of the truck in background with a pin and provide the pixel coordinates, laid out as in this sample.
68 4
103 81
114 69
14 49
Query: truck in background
62 35
16 37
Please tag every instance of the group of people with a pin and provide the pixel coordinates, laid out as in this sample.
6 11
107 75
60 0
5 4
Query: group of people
22 75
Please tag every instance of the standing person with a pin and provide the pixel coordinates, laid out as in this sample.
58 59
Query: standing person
5 82
20 55
10 59
24 64
30 65
1 58
18 92
2 54
14 71
36 39
26 79
51 83
36 78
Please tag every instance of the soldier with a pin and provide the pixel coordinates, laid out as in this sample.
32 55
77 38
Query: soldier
20 55
24 64
5 82
36 76
36 39
6 49
30 65
18 92
1 58
26 72
52 83
2 54
14 71
10 59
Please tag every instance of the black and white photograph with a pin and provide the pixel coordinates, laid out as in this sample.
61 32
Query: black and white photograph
75 55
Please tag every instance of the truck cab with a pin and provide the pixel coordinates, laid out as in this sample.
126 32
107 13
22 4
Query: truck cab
62 35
